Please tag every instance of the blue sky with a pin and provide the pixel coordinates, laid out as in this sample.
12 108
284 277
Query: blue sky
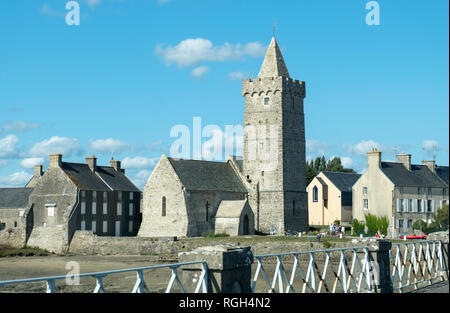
116 84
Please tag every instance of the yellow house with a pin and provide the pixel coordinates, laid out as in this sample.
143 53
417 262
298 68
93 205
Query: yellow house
330 198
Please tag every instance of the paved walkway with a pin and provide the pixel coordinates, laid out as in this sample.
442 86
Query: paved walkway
441 287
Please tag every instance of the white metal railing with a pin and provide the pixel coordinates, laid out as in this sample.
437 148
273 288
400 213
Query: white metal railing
139 287
353 273
416 263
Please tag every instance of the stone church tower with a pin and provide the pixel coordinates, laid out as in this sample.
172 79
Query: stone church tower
274 146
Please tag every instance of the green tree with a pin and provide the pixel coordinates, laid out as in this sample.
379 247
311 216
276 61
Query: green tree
357 228
442 217
372 224
383 224
313 167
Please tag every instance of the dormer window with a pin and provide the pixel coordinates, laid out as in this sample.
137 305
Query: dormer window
266 101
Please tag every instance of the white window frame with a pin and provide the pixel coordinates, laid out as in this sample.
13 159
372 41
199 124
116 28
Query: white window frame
83 225
365 190
119 208
366 204
131 209
51 210
105 226
94 208
94 226
83 207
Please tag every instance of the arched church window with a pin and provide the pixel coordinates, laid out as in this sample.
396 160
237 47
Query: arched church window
163 211
315 194
207 210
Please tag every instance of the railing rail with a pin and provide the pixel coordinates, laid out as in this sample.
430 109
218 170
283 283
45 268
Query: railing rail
140 285
354 275
417 263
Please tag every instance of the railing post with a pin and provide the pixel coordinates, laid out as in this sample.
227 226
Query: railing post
229 268
382 265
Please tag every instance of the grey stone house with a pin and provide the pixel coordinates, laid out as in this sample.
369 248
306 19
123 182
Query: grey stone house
15 218
181 197
76 196
402 191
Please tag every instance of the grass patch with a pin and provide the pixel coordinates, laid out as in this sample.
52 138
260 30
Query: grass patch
8 251
212 235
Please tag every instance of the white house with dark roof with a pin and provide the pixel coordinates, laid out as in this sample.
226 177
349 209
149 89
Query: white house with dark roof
82 196
330 198
402 191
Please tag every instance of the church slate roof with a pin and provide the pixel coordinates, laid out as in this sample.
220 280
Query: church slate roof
419 176
14 197
207 175
343 181
443 173
82 176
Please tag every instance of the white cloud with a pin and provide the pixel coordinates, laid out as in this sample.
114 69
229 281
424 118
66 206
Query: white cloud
62 145
8 146
15 179
317 147
31 162
139 162
191 52
430 145
238 75
47 10
141 178
347 162
109 145
363 147
18 126
198 72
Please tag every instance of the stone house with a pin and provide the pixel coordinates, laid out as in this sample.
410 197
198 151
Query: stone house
15 218
182 197
402 191
330 198
77 196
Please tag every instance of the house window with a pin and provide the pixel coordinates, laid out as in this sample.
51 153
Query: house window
51 210
131 196
2 226
364 190
315 194
430 191
410 205
94 196
105 226
94 207
105 208
400 223
94 227
119 208
410 222
419 205
83 194
105 196
83 225
130 226
207 211
119 196
293 207
266 101
83 207
366 204
131 209
429 205
163 211
400 205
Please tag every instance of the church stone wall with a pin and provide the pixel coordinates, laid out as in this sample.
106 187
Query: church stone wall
163 182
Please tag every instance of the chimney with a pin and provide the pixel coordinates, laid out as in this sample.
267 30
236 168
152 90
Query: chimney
430 164
37 170
55 160
405 159
115 164
374 159
92 162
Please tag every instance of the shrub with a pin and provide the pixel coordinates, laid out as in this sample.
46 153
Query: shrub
357 228
383 224
372 224
337 222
